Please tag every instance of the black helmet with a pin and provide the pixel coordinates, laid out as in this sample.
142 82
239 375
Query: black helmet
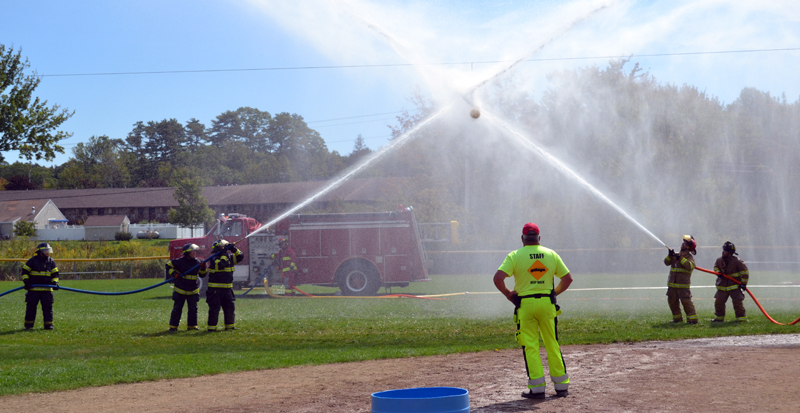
44 247
189 248
728 246
219 245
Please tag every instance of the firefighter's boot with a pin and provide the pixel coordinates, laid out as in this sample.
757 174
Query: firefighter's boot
531 395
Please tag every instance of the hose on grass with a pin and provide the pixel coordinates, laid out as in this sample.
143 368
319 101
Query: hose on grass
260 280
751 296
380 296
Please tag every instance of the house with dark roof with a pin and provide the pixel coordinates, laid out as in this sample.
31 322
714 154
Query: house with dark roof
260 201
42 212
104 227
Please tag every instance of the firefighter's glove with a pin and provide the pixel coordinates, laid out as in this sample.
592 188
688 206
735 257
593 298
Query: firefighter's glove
673 254
55 286
230 247
743 287
176 276
27 285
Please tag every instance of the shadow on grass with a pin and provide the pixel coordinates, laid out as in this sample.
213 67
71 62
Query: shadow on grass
21 330
670 325
723 325
167 333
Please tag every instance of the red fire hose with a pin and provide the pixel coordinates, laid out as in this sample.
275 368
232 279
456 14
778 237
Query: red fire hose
751 296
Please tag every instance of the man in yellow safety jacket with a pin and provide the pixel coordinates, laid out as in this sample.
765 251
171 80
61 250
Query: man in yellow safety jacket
40 270
679 281
733 267
534 269
185 271
220 284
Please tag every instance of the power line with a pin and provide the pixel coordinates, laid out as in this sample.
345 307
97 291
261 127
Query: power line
266 69
355 117
366 139
353 123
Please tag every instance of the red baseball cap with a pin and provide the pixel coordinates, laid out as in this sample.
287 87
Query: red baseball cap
530 228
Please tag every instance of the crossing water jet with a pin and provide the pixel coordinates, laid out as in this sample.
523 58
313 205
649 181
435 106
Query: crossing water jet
468 96
392 146
561 166
412 57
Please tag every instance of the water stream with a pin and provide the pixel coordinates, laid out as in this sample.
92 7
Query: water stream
510 131
392 146
561 166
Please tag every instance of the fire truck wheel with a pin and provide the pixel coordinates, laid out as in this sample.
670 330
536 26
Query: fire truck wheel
359 278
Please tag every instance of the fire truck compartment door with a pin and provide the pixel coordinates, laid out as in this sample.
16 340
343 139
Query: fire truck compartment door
397 268
241 273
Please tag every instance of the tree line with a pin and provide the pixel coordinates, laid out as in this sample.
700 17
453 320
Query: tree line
242 146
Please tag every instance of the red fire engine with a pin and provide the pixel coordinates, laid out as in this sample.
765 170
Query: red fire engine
357 252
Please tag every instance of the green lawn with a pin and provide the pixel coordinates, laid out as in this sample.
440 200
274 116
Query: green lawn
115 339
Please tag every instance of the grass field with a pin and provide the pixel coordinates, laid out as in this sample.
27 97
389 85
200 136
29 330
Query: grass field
116 339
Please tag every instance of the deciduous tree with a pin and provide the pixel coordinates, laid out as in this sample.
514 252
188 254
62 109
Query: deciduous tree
27 124
192 208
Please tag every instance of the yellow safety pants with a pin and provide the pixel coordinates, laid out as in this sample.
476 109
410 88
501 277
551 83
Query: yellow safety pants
535 317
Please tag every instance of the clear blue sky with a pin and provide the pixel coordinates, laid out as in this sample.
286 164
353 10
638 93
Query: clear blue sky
88 37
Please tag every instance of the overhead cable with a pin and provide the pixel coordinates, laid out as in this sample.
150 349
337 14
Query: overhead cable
266 69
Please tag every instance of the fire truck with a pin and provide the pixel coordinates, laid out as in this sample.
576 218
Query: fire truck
356 252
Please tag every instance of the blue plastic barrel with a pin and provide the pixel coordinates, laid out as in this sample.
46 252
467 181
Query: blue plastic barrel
422 400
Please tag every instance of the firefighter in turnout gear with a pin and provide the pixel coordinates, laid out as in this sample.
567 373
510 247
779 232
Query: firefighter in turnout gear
680 274
286 264
220 284
534 269
41 270
185 271
733 267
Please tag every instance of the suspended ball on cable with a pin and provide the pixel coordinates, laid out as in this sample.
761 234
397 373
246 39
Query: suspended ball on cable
475 113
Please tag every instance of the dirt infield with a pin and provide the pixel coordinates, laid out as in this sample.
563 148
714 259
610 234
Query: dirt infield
730 374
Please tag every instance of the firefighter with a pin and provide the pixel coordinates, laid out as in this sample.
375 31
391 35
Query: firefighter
220 284
40 270
733 267
680 273
185 271
286 264
534 268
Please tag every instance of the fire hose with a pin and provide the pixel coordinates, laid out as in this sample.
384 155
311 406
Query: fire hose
751 296
110 293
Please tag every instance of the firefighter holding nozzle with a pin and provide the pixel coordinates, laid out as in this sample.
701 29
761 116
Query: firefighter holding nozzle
220 284
680 274
733 267
534 269
286 258
185 271
40 270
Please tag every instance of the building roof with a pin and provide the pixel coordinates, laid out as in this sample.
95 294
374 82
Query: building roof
369 189
105 220
11 211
